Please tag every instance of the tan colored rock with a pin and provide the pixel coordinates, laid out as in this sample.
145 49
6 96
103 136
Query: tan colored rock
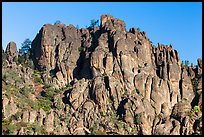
79 93
116 91
114 74
60 78
187 89
108 22
146 125
199 66
5 104
166 110
21 131
99 94
49 122
53 41
41 116
25 116
181 110
159 94
140 84
129 115
9 107
32 116
127 66
163 129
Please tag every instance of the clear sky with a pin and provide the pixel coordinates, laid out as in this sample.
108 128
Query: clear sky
178 23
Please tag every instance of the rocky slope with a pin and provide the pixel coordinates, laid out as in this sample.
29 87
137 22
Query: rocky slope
104 80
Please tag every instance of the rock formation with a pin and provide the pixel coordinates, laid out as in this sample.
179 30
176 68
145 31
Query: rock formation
119 83
11 51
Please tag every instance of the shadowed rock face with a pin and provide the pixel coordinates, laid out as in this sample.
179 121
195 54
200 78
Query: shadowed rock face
113 70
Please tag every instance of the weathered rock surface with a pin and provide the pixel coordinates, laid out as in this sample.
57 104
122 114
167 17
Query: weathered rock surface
118 83
11 51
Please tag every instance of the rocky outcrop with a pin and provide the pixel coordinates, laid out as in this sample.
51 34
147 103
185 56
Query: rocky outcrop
9 107
11 51
112 81
114 59
199 66
56 50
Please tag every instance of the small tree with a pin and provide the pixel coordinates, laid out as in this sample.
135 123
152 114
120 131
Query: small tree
182 62
77 26
93 23
187 63
26 45
57 22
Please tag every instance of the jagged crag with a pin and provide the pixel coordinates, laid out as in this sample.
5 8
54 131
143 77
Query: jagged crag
101 80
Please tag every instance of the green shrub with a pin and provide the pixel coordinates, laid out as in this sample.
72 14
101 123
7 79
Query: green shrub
39 129
29 63
21 60
5 123
31 128
10 90
196 109
110 101
190 114
134 131
26 90
17 115
38 72
50 92
39 80
194 83
68 86
102 114
126 92
44 104
4 56
11 128
67 119
47 86
11 74
81 49
8 127
113 116
138 119
52 73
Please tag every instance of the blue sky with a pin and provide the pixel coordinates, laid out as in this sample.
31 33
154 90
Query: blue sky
165 22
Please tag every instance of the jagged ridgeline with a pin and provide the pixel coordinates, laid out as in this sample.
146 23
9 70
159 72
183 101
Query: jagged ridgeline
100 80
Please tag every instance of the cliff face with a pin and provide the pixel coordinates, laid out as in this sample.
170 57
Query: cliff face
119 82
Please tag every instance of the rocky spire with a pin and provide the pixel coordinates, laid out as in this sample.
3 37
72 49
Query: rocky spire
11 51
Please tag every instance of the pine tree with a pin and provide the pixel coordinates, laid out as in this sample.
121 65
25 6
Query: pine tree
26 45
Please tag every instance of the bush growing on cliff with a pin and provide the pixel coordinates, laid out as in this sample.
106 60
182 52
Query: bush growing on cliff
196 109
138 118
4 56
94 23
81 49
57 22
44 104
185 63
